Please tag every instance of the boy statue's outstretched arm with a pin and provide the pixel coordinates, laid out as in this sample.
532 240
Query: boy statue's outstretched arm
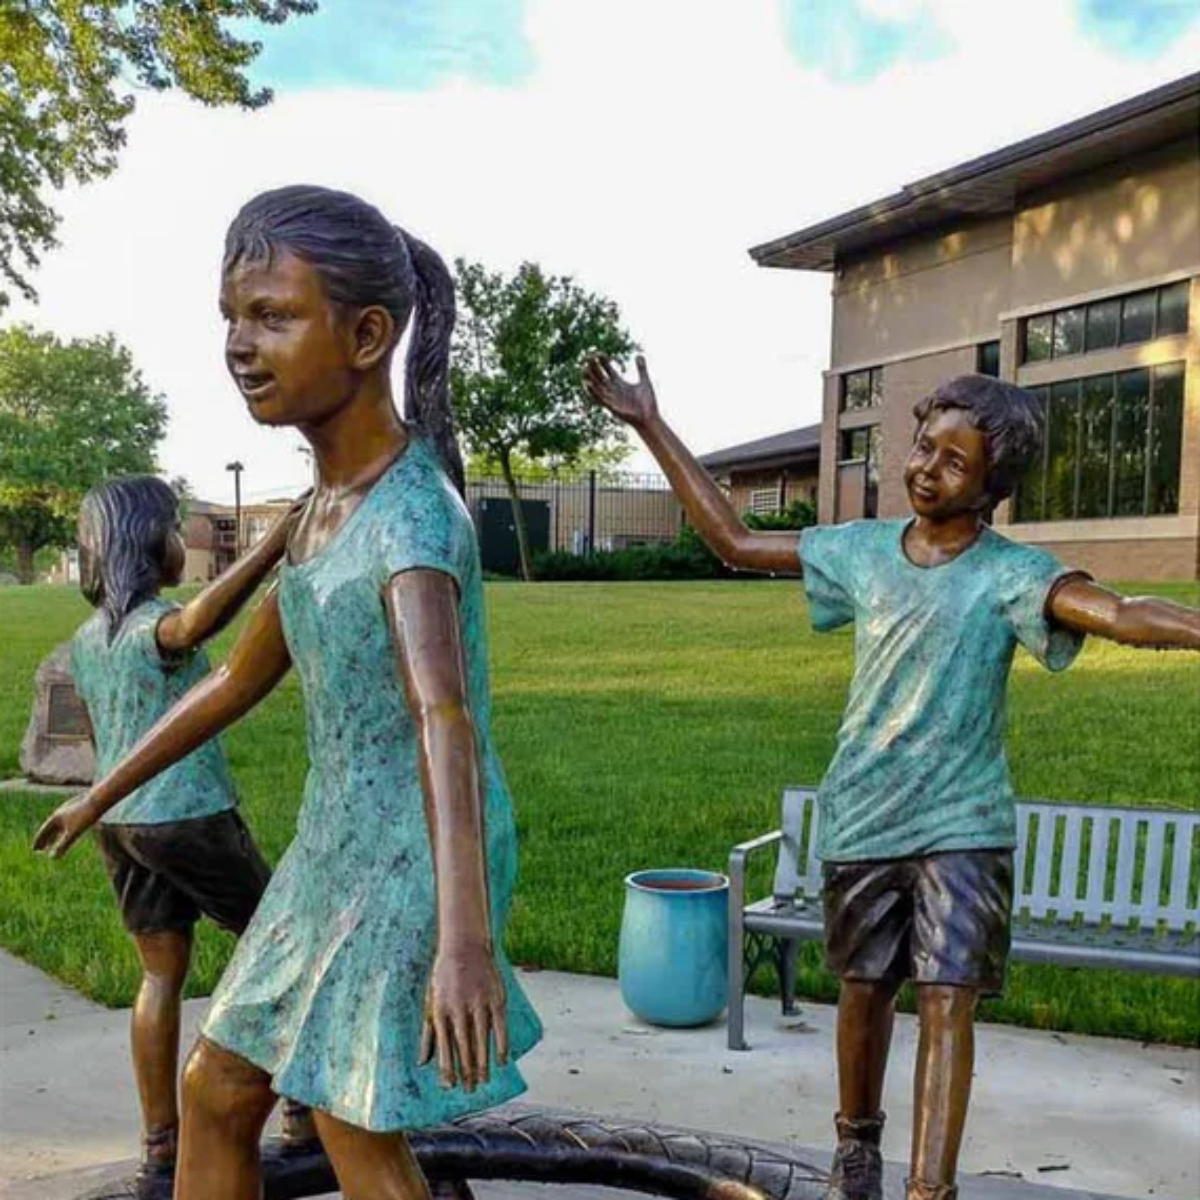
1143 621
707 507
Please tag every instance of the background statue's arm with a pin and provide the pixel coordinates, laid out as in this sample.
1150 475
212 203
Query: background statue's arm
707 507
1144 621
465 1001
210 610
258 661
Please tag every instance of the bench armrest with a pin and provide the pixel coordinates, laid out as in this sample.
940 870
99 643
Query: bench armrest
737 867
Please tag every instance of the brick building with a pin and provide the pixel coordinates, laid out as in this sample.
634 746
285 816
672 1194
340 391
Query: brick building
1068 262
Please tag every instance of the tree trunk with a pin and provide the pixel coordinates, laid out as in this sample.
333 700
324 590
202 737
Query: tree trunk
514 496
25 562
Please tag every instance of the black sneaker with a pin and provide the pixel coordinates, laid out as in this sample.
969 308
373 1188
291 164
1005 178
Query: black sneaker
154 1181
857 1171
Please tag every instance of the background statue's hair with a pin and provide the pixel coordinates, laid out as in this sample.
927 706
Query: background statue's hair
1009 417
127 522
364 260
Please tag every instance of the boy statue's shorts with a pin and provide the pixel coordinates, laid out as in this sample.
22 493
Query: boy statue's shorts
167 876
939 918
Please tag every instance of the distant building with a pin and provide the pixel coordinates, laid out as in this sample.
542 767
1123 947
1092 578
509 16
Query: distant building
1068 262
210 534
767 475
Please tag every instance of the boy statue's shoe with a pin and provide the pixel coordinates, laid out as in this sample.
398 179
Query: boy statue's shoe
857 1172
918 1189
154 1181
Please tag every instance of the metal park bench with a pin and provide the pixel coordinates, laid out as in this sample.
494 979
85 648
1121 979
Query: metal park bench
1094 887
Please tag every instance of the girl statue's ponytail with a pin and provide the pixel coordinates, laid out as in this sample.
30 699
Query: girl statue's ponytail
427 367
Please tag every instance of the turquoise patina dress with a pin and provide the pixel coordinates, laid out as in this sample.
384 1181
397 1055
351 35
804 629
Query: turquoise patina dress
326 989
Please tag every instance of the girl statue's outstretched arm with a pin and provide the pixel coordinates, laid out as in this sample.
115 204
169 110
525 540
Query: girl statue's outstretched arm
210 610
706 506
465 1002
1144 621
258 661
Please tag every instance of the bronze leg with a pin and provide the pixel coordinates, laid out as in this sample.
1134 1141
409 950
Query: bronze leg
154 1036
866 1013
942 1085
226 1102
371 1166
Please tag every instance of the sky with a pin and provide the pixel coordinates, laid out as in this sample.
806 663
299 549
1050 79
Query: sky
640 146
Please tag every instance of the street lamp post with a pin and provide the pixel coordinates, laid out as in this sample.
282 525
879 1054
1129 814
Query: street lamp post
237 468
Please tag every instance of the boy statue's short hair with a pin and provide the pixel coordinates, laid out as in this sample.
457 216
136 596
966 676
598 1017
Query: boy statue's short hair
1009 417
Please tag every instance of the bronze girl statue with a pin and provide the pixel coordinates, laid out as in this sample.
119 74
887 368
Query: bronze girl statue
372 983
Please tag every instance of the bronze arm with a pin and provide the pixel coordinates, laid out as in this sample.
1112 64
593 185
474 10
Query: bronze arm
465 1001
1143 621
210 610
707 507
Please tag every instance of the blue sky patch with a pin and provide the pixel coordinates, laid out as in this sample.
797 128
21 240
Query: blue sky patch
1141 30
399 45
851 44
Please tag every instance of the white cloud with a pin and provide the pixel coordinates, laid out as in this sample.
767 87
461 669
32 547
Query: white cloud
654 144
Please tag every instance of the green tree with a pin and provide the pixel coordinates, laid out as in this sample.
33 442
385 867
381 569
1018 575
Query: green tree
66 72
71 414
518 347
604 460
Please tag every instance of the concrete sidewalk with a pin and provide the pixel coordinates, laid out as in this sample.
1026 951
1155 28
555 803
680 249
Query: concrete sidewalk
1094 1115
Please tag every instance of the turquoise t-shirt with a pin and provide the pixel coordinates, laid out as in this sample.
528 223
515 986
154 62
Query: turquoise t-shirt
127 685
920 765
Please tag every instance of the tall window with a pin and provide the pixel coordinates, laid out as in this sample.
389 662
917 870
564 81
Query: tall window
987 359
860 447
862 389
1103 324
1112 447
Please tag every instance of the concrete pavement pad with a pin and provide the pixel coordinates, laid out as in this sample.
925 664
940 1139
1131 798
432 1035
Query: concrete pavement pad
1100 1116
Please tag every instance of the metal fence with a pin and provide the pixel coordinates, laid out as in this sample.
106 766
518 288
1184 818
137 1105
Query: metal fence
573 514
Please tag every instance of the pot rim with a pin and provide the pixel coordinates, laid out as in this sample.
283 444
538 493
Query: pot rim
708 881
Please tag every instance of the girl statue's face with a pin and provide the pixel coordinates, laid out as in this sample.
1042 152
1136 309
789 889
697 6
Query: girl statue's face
292 353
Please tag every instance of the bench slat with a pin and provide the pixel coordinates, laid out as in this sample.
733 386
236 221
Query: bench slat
1152 869
1097 877
1122 906
1068 878
1043 859
1181 862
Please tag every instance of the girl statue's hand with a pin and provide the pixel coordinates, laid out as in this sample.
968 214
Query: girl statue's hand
65 826
464 1011
634 403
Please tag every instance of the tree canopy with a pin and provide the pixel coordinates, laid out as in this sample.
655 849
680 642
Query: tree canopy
519 344
67 70
71 414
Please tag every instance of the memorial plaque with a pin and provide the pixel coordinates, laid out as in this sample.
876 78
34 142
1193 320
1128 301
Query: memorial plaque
58 745
66 718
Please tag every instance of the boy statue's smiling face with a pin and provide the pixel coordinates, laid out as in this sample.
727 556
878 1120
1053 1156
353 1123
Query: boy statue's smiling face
947 469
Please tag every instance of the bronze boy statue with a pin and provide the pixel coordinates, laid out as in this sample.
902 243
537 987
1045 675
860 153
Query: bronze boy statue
917 817
372 983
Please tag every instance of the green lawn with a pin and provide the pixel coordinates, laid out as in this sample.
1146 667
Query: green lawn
646 725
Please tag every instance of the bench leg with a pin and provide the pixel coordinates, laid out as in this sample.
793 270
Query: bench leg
788 952
736 949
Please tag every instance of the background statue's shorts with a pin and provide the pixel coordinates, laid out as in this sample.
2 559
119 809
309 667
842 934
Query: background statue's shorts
167 876
940 918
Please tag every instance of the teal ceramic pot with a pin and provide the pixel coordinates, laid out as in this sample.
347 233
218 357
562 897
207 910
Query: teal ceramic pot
673 952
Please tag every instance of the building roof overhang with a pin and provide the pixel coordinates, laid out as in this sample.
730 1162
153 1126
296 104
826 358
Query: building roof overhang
992 184
794 447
